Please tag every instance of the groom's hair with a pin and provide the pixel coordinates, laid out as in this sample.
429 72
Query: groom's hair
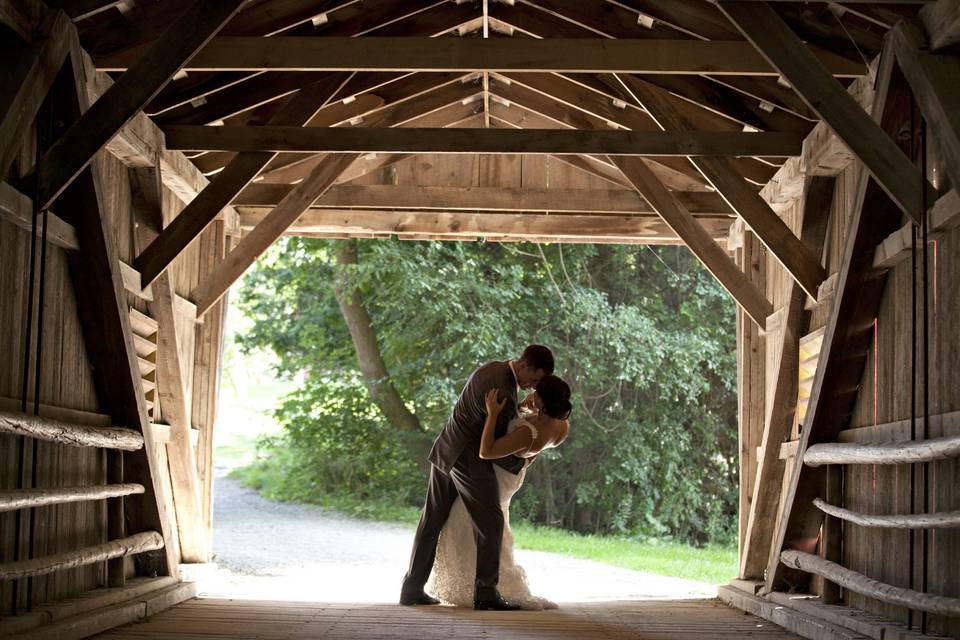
539 357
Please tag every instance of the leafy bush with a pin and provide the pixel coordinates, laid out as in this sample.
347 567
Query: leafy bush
644 336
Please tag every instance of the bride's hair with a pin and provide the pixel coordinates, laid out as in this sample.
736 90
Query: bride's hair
555 395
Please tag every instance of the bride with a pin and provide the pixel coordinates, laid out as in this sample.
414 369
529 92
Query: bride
542 425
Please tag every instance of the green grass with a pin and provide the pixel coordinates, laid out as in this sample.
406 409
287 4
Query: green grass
712 564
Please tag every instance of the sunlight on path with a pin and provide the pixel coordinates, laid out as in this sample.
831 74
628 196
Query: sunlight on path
269 550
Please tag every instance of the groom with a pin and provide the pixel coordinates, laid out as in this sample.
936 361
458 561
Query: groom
457 470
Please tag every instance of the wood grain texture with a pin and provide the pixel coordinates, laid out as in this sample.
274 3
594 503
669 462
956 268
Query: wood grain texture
131 545
289 53
71 434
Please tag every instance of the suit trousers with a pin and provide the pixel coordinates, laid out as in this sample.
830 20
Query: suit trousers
475 482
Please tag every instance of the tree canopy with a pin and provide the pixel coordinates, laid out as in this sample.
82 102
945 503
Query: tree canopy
644 336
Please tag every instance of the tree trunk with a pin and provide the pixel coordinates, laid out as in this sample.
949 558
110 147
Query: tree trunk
374 370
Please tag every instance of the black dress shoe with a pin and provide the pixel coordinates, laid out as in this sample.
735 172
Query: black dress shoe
495 604
417 599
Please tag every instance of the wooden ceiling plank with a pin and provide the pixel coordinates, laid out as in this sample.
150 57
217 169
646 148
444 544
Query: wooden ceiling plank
879 153
82 9
565 141
753 301
101 122
201 211
268 230
567 99
26 79
783 244
288 53
933 78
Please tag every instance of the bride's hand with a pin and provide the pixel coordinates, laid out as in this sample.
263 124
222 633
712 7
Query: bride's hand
493 405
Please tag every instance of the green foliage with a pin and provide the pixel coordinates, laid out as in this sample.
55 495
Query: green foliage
643 335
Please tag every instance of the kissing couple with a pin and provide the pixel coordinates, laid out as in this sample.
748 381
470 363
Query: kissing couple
463 544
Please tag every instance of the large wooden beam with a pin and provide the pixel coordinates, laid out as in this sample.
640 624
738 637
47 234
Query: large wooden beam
201 211
781 411
847 336
504 199
105 321
881 156
753 301
942 20
801 263
147 200
464 224
25 79
581 55
271 228
933 78
499 141
75 149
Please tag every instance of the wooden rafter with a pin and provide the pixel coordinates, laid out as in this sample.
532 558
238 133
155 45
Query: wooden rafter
191 222
784 245
147 200
813 82
933 78
753 301
272 227
76 148
846 340
554 199
289 53
570 142
818 195
463 224
30 72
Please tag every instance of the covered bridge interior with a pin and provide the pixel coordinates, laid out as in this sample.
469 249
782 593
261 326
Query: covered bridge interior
806 152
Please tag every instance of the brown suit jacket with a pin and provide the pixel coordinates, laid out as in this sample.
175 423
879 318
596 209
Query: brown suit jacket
462 431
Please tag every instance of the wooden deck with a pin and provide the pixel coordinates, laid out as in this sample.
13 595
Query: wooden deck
204 618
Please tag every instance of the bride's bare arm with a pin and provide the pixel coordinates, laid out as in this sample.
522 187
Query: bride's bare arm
517 442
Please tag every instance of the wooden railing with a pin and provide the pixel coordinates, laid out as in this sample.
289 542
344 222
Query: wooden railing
116 439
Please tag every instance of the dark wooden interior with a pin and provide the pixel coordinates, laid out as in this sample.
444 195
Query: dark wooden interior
807 153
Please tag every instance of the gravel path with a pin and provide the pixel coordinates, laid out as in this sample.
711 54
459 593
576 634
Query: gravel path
273 550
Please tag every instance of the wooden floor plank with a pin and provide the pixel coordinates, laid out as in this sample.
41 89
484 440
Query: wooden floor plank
214 618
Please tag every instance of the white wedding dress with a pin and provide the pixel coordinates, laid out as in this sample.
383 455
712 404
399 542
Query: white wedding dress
454 570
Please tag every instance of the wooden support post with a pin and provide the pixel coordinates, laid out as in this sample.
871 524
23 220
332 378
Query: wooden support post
146 192
104 318
847 338
116 527
25 80
750 298
780 415
73 151
271 228
881 156
173 240
831 538
802 265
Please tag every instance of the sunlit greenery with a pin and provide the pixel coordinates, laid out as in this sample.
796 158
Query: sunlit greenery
643 334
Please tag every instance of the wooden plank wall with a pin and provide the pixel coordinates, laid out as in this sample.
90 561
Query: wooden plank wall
66 381
885 397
